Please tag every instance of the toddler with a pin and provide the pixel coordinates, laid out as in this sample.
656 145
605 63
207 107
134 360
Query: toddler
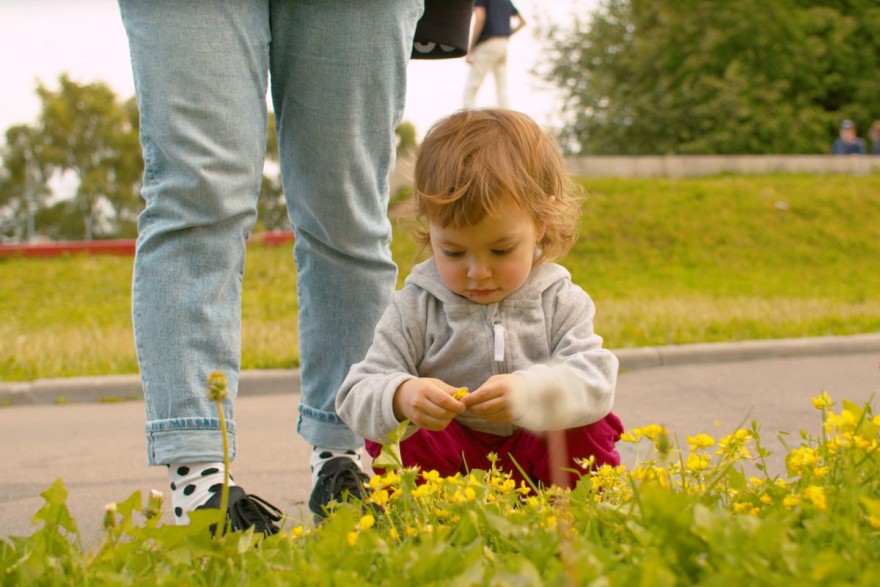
489 311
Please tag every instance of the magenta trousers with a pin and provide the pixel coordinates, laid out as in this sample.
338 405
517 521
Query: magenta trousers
458 449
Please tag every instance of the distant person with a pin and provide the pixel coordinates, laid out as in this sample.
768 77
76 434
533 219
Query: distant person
874 135
493 24
849 142
490 311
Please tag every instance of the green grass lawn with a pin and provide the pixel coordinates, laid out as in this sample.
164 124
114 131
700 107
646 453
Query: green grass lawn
667 262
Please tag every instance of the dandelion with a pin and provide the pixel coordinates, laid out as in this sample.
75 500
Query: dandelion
110 515
217 391
460 393
154 504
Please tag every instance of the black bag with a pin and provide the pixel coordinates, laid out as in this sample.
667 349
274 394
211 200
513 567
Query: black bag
442 32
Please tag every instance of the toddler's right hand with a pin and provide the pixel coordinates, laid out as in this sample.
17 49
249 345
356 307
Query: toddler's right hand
427 403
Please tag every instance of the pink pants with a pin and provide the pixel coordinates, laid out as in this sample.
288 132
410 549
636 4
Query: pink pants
458 449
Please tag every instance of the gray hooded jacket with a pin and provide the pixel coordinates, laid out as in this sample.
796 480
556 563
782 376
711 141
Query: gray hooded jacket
543 332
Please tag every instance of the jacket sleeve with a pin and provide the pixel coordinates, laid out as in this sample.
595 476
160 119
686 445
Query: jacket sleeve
364 402
576 386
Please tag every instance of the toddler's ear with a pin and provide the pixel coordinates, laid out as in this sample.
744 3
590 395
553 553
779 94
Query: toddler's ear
540 229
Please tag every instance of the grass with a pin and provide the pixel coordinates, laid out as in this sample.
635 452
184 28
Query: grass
667 261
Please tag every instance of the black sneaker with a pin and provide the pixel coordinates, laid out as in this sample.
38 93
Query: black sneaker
340 478
245 511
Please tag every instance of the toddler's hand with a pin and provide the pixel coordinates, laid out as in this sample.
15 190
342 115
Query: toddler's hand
492 400
427 403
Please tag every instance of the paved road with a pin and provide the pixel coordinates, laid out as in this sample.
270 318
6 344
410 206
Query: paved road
98 449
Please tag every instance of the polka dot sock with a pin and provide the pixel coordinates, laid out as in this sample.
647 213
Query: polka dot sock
321 455
193 484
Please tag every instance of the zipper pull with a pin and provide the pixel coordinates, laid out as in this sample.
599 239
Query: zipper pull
499 342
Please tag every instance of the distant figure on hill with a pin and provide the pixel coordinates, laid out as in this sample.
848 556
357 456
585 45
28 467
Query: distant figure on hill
848 143
874 135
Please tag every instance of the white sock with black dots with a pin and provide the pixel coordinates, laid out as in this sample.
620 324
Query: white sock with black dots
192 485
321 455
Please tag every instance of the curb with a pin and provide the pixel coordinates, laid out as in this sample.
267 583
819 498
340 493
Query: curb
117 388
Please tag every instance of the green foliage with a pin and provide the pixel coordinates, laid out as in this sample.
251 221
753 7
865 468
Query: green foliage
406 138
690 516
696 77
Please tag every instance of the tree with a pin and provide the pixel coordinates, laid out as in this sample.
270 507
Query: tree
714 76
85 130
23 184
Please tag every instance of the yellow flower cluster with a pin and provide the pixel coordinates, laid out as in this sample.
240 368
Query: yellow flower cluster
420 503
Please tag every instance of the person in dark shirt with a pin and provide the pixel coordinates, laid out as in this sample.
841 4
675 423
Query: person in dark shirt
493 23
848 143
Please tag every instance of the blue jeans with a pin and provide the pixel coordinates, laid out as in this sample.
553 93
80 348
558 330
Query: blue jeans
338 83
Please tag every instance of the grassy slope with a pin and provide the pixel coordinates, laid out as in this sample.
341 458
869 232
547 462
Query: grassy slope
667 261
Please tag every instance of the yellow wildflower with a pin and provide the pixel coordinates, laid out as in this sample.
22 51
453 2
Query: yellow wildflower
816 495
351 538
460 393
700 441
380 497
697 462
367 522
823 400
791 501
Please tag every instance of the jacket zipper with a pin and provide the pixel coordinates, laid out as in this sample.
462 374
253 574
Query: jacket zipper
498 331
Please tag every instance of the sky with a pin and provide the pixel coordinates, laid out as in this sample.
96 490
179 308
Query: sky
41 39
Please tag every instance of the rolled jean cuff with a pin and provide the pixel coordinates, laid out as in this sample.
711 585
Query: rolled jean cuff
187 440
326 429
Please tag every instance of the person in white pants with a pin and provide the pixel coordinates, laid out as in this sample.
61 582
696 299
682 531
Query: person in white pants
494 22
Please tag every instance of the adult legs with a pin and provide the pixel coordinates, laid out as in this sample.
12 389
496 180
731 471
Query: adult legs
200 71
338 75
488 55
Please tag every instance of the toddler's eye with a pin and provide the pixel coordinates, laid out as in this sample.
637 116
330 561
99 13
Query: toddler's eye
449 253
501 252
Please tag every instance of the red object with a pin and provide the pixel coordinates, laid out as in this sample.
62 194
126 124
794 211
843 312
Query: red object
457 449
113 247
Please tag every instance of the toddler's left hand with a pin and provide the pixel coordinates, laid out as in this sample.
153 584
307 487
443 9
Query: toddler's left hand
492 401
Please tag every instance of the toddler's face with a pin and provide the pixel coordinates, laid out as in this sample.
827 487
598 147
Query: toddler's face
486 262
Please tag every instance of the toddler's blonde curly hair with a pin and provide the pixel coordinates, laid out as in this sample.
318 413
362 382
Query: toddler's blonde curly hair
474 161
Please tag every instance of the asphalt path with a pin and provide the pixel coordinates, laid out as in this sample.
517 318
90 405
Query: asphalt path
98 449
